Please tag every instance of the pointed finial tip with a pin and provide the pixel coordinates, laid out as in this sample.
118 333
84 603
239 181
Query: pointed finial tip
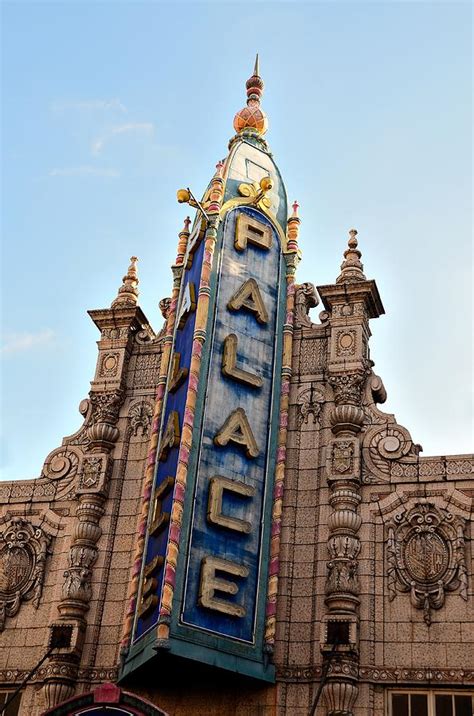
256 69
187 223
295 207
252 117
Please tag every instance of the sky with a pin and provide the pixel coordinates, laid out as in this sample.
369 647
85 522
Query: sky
110 107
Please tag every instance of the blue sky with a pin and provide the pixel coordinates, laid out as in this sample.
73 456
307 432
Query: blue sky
109 107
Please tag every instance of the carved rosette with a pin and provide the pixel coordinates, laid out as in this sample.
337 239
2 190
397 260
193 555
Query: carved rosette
23 553
426 556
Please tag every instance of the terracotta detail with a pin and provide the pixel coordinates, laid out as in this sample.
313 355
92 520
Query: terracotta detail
23 552
426 556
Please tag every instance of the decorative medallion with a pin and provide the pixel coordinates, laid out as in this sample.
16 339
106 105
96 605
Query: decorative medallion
346 343
109 364
23 551
342 453
425 552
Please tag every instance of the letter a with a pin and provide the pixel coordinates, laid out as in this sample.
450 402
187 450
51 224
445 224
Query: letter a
236 429
171 435
248 296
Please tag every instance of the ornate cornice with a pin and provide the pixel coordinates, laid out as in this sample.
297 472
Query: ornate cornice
402 675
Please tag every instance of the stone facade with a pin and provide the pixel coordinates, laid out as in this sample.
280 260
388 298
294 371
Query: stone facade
375 583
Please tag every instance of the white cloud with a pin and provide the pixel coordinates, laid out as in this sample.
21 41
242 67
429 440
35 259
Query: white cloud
88 104
85 170
19 342
138 127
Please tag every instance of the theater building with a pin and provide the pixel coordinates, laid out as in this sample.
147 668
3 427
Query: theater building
238 527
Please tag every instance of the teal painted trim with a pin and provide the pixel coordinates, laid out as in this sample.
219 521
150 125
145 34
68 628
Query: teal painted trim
203 654
207 655
139 654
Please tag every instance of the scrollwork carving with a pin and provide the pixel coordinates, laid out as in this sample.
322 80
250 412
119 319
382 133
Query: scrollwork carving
61 466
390 452
305 298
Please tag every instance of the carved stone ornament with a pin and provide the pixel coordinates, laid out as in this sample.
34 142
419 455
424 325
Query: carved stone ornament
109 363
310 402
342 576
23 552
426 556
61 466
145 336
343 453
140 415
389 453
347 387
106 406
305 298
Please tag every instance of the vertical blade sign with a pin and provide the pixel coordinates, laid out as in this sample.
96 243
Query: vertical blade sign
148 604
224 576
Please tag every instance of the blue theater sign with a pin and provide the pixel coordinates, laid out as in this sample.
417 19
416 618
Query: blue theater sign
218 613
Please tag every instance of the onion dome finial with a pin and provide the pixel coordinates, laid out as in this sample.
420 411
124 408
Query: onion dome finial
251 119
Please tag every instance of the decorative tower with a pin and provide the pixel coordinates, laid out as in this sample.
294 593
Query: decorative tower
205 578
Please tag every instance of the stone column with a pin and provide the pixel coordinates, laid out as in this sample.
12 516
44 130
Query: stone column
350 303
118 325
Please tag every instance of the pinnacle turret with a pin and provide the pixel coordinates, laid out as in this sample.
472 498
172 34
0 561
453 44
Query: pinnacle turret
127 294
351 267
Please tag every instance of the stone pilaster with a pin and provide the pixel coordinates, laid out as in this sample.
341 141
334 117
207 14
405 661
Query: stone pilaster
118 326
349 303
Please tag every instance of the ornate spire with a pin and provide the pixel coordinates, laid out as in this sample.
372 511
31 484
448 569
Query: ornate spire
251 119
127 294
351 267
